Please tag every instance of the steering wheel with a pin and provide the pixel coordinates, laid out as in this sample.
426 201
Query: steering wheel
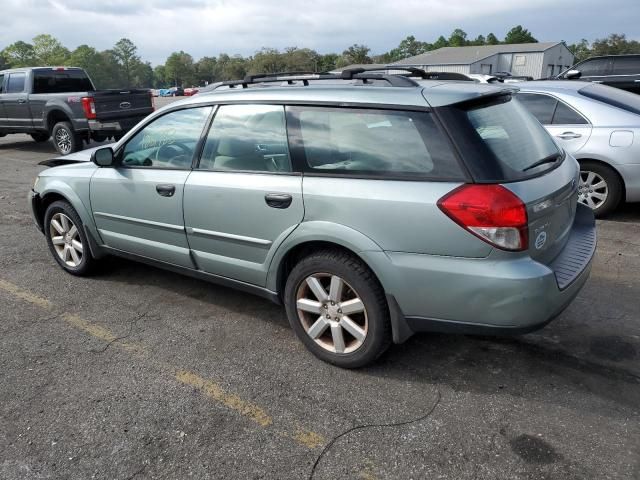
170 154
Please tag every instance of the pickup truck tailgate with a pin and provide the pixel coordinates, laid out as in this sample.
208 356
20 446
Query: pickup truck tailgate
117 104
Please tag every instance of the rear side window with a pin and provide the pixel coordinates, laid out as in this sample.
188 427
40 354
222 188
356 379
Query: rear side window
549 110
500 140
626 66
368 142
541 106
1 83
61 81
16 83
613 96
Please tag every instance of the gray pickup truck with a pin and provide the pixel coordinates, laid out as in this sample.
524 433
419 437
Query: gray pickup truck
62 103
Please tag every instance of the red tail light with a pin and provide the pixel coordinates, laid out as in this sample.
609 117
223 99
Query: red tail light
490 212
89 108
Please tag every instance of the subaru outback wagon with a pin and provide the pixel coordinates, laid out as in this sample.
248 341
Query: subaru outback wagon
372 206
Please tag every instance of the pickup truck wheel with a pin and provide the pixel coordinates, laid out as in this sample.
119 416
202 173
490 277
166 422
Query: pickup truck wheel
40 137
65 139
338 309
67 240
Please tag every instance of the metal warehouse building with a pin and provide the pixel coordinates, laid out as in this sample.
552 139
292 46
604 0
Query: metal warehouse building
537 60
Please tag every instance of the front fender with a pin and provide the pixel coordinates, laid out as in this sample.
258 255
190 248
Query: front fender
56 186
318 231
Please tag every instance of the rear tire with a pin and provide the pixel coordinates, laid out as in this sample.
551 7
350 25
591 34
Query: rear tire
65 139
67 240
600 188
349 326
40 137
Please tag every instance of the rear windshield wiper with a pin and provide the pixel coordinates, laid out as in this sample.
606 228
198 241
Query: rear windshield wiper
553 158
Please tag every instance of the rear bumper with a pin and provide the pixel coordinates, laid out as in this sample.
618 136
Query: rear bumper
115 126
488 295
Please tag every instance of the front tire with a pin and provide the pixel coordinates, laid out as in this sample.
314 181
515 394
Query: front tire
338 309
67 240
600 188
65 139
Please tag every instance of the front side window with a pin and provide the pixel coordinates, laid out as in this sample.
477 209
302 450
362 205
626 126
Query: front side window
347 141
1 83
248 138
16 83
626 65
168 141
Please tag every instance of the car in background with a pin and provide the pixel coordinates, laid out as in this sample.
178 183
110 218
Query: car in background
619 71
188 92
600 127
62 103
171 92
474 225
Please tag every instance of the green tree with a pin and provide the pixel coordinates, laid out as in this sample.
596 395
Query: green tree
327 62
231 68
300 59
20 54
159 77
179 69
205 70
479 40
580 50
409 47
518 34
142 75
267 60
125 53
4 63
110 73
355 54
492 39
90 60
458 38
49 51
615 44
440 42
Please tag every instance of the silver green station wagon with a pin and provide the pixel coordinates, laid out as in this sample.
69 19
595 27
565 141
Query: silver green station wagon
372 206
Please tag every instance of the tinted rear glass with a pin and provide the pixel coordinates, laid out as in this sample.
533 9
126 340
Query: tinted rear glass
500 140
349 141
613 96
63 81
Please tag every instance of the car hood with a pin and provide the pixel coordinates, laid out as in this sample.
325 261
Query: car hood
77 157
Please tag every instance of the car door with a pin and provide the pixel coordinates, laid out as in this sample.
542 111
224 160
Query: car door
15 102
595 70
626 73
137 206
243 199
569 128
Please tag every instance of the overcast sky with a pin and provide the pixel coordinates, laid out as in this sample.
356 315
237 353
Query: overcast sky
210 27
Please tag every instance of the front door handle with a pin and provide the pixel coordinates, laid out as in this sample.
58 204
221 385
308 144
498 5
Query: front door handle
568 135
22 100
278 200
166 190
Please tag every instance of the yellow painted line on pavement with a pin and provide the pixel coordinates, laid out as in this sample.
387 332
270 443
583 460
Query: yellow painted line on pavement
209 388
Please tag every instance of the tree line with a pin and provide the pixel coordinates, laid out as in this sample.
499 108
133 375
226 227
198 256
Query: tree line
121 66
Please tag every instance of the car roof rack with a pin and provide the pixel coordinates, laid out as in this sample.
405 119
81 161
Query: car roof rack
365 74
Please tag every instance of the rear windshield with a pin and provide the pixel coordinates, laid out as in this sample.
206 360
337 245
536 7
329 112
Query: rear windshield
61 81
500 140
613 96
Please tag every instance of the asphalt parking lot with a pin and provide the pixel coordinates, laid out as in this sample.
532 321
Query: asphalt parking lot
141 373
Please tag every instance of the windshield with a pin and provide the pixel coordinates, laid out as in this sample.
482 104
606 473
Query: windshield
613 96
500 140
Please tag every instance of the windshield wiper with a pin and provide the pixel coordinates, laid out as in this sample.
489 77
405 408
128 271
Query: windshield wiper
553 158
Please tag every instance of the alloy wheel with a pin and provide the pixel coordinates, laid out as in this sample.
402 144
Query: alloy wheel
332 313
66 240
63 140
592 190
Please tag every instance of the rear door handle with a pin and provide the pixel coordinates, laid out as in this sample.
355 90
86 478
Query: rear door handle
22 100
166 190
278 200
568 135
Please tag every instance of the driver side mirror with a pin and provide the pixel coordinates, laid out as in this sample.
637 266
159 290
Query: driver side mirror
573 74
103 157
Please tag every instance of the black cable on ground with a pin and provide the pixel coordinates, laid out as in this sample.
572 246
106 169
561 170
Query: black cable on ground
371 425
